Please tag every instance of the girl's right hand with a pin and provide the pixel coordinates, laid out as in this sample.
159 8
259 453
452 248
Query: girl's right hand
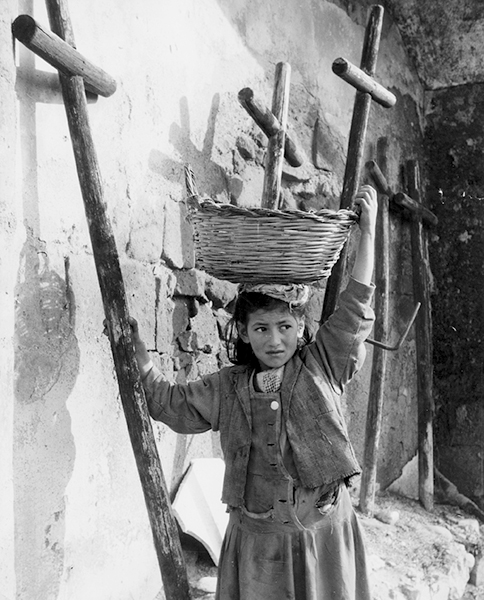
141 353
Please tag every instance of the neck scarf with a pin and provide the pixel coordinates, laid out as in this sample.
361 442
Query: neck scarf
270 381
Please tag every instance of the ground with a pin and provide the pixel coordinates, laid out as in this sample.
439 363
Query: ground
404 555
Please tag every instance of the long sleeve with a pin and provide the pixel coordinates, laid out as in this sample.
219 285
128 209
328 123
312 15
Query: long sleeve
338 346
190 408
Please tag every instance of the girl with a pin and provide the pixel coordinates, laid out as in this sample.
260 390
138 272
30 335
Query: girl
292 532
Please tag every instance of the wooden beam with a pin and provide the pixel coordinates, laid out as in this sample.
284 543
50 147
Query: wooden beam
61 55
163 525
415 208
363 82
356 148
400 200
275 148
421 288
378 373
268 123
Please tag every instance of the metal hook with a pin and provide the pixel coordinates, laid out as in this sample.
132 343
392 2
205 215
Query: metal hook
402 337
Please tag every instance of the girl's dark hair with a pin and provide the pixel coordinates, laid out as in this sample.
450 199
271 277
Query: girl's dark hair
240 353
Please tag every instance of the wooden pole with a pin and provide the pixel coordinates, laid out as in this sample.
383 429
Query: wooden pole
356 148
62 55
270 125
163 525
421 288
378 373
406 205
275 148
363 82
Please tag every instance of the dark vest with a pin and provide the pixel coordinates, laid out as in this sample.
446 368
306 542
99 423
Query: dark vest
314 423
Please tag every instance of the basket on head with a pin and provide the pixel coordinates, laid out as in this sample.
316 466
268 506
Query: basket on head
259 245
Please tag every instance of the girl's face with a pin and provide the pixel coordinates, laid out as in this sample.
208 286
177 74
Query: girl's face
273 336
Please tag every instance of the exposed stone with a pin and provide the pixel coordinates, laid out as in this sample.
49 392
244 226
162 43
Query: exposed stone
205 333
164 326
181 316
390 517
246 147
302 174
220 292
223 318
166 280
185 341
236 186
471 528
207 584
206 364
183 360
477 573
190 283
145 237
260 138
287 201
442 531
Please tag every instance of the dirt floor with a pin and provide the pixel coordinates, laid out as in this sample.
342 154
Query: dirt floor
417 544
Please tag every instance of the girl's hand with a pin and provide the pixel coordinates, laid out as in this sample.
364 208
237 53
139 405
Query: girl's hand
141 353
367 203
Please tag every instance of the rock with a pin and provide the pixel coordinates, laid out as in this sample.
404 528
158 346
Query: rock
164 325
388 516
219 292
477 573
375 563
288 201
470 526
236 186
204 328
190 283
207 584
442 531
246 147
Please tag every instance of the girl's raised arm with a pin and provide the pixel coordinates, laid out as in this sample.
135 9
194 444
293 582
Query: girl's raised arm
366 201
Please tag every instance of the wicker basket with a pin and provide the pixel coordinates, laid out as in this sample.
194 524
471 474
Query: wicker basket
257 245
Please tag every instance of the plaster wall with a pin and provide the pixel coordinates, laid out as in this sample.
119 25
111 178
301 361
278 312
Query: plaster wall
73 522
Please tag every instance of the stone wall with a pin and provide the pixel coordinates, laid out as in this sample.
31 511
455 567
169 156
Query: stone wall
75 524
454 141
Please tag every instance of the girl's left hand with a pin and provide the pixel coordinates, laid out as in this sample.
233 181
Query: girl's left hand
366 201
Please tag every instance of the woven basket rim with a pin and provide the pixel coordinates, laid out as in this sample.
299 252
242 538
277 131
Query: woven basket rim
207 205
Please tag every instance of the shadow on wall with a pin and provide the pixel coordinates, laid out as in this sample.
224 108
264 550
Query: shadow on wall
209 175
46 368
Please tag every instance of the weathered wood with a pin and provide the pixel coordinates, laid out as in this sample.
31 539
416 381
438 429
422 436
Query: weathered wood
268 123
355 153
61 55
363 82
421 289
400 201
405 202
378 373
452 495
275 148
163 525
